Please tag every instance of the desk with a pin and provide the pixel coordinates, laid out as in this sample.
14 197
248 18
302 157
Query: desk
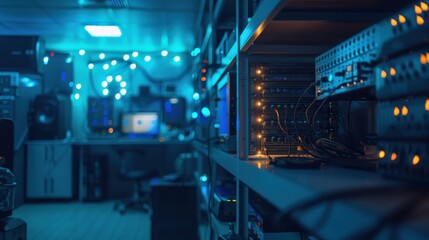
161 154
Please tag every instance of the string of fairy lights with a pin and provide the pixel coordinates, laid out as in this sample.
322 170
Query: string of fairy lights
114 67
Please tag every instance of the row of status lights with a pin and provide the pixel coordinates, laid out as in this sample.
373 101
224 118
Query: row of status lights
418 9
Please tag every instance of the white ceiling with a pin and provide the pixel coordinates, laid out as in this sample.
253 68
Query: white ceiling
147 25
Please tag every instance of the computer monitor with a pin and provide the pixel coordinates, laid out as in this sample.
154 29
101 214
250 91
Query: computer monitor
140 124
226 106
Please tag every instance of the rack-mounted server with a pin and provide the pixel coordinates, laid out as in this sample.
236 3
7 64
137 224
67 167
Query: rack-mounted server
284 110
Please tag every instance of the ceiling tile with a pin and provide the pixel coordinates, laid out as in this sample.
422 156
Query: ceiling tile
28 28
57 3
83 16
14 3
147 25
23 15
164 4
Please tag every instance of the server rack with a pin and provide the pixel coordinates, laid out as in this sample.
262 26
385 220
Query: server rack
292 30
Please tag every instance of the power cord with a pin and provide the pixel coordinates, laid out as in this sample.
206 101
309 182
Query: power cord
283 130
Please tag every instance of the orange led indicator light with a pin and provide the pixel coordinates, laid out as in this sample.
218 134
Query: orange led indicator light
404 111
416 159
383 74
396 111
392 72
203 70
393 22
402 19
393 157
423 59
381 154
203 79
418 9
420 20
424 6
110 130
258 71
427 105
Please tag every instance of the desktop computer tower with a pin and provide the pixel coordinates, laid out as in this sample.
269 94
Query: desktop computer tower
94 178
174 211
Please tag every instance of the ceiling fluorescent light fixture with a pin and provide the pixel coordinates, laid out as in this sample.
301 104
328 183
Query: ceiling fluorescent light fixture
103 30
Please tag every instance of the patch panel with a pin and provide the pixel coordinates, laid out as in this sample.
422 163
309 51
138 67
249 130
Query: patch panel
404 30
292 126
348 66
281 89
281 148
287 77
283 70
289 103
408 118
406 160
283 92
403 76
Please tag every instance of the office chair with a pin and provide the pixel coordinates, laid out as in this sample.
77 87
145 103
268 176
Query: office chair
140 199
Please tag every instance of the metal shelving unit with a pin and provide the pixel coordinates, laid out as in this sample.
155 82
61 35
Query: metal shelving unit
223 159
351 201
347 202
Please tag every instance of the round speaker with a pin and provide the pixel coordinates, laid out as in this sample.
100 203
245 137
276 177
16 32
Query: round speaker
44 118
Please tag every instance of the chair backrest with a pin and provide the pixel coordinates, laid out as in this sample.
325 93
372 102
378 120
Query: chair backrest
130 159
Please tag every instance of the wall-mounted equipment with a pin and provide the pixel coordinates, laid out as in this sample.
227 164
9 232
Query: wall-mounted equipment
22 54
101 114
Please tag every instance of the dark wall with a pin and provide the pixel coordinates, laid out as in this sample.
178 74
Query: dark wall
22 102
